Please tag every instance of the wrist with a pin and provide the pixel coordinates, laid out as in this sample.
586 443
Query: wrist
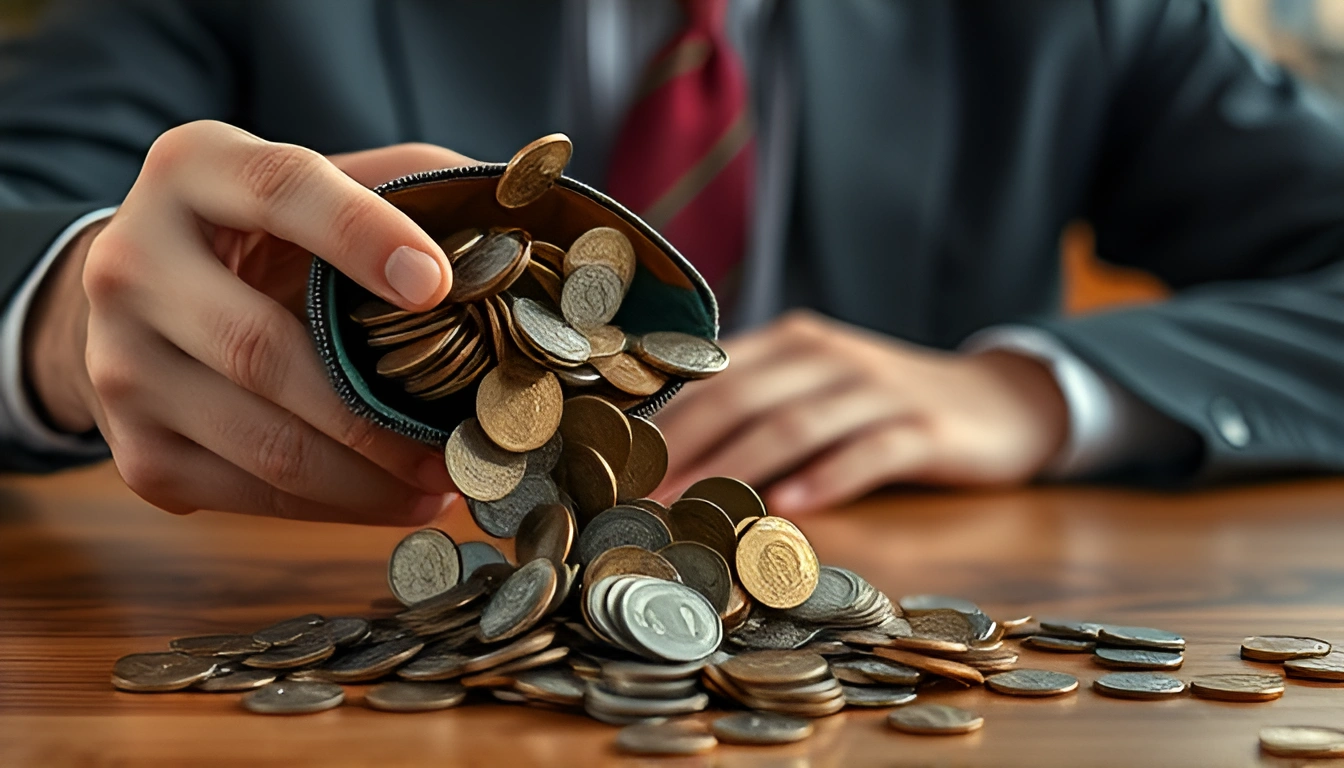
54 340
1034 408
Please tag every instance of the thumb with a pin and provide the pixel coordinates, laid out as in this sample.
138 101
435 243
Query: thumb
372 167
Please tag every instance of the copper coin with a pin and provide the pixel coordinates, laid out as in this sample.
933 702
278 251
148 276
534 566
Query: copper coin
605 340
533 170
372 314
160 671
737 499
1237 687
457 243
417 355
941 667
681 354
647 465
596 423
779 668
702 569
588 479
1282 648
630 559
480 469
775 563
606 247
629 375
519 406
549 254
703 521
547 531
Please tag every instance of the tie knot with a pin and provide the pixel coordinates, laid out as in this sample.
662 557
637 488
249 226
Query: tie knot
707 15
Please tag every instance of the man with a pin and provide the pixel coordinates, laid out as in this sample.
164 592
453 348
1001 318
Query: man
905 179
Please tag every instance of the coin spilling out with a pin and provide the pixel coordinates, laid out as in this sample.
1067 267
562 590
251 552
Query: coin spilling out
1282 648
1302 741
423 565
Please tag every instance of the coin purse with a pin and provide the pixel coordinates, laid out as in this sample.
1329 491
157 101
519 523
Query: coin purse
667 294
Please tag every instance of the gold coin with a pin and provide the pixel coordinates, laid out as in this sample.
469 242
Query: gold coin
602 246
1302 741
591 296
702 521
1032 682
681 354
629 375
647 466
457 243
519 406
605 340
737 499
1282 648
589 480
1328 667
533 171
942 667
934 720
744 524
479 468
594 422
775 563
1237 687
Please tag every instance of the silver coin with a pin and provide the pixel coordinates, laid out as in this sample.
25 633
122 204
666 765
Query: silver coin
591 296
307 650
549 332
597 696
1140 637
703 570
670 621
878 670
242 680
370 662
520 601
1137 658
403 696
1081 630
622 526
836 594
1138 685
152 672
761 728
1058 644
474 554
934 720
217 645
287 631
342 630
423 564
1302 741
651 689
673 738
766 633
878 696
294 698
1032 682
643 670
501 518
559 686
681 354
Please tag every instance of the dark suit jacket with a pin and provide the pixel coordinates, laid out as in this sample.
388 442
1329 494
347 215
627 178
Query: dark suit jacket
942 147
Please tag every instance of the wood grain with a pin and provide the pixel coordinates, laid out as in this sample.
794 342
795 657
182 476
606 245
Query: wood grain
88 573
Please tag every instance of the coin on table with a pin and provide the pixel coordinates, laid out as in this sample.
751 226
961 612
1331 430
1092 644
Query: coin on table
407 696
518 405
549 333
1282 648
287 631
474 554
1302 741
300 653
703 570
647 463
737 499
294 698
651 689
681 354
776 564
627 560
877 670
218 645
480 469
1059 644
370 662
1328 667
837 592
761 728
776 668
242 680
558 686
1140 637
423 564
527 645
878 695
934 720
1137 658
533 170
502 517
941 667
669 738
1237 687
547 531
1082 630
1032 682
342 630
152 672
703 521
485 268
591 297
942 624
622 526
1145 686
594 422
520 601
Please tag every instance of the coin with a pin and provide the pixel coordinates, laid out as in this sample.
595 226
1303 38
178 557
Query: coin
474 554
286 631
630 560
942 624
671 738
594 422
549 332
1058 644
703 570
242 680
480 469
597 696
484 269
776 564
1081 630
520 601
877 670
761 728
509 668
1282 648
370 662
549 254
304 651
152 672
667 620
737 499
651 689
1302 741
702 521
1237 687
589 479
1138 685
681 354
341 630
602 246
547 531
405 696
605 340
647 464
501 518
519 406
1137 658
764 668
559 686
1328 667
591 297
878 696
457 243
218 645
934 719
533 170
372 314
423 564
417 356
629 375
1140 637
621 526
294 698
1032 682
942 667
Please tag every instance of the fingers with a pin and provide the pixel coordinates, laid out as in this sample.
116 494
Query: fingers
895 451
233 179
377 166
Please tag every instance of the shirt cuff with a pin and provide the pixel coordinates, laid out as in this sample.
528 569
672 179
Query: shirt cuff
1109 427
19 423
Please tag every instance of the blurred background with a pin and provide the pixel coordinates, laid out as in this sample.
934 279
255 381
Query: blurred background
1306 36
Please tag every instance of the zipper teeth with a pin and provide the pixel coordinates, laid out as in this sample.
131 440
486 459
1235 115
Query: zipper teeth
321 271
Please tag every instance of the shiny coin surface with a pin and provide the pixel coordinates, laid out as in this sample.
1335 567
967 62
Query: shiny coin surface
480 469
776 564
703 521
501 518
1237 687
242 680
761 728
1058 644
1282 648
287 631
549 332
533 170
474 554
547 531
934 720
647 465
1328 667
423 564
703 570
591 297
520 601
485 268
1032 682
1138 685
1140 637
681 354
217 645
1302 741
671 738
294 698
406 696
602 246
518 405
668 620
878 695
1137 658
737 499
622 526
151 672
342 630
777 668
370 662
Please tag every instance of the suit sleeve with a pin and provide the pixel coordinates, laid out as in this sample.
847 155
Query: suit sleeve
1225 177
80 103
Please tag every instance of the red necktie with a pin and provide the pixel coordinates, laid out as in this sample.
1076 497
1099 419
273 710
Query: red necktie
685 157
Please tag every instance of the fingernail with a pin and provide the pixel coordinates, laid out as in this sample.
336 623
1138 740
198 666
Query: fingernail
415 275
789 497
432 475
430 507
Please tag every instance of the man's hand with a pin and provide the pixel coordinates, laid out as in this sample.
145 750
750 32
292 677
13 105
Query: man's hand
827 412
176 330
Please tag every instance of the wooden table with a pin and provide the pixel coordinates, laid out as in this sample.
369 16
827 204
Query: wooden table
88 573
